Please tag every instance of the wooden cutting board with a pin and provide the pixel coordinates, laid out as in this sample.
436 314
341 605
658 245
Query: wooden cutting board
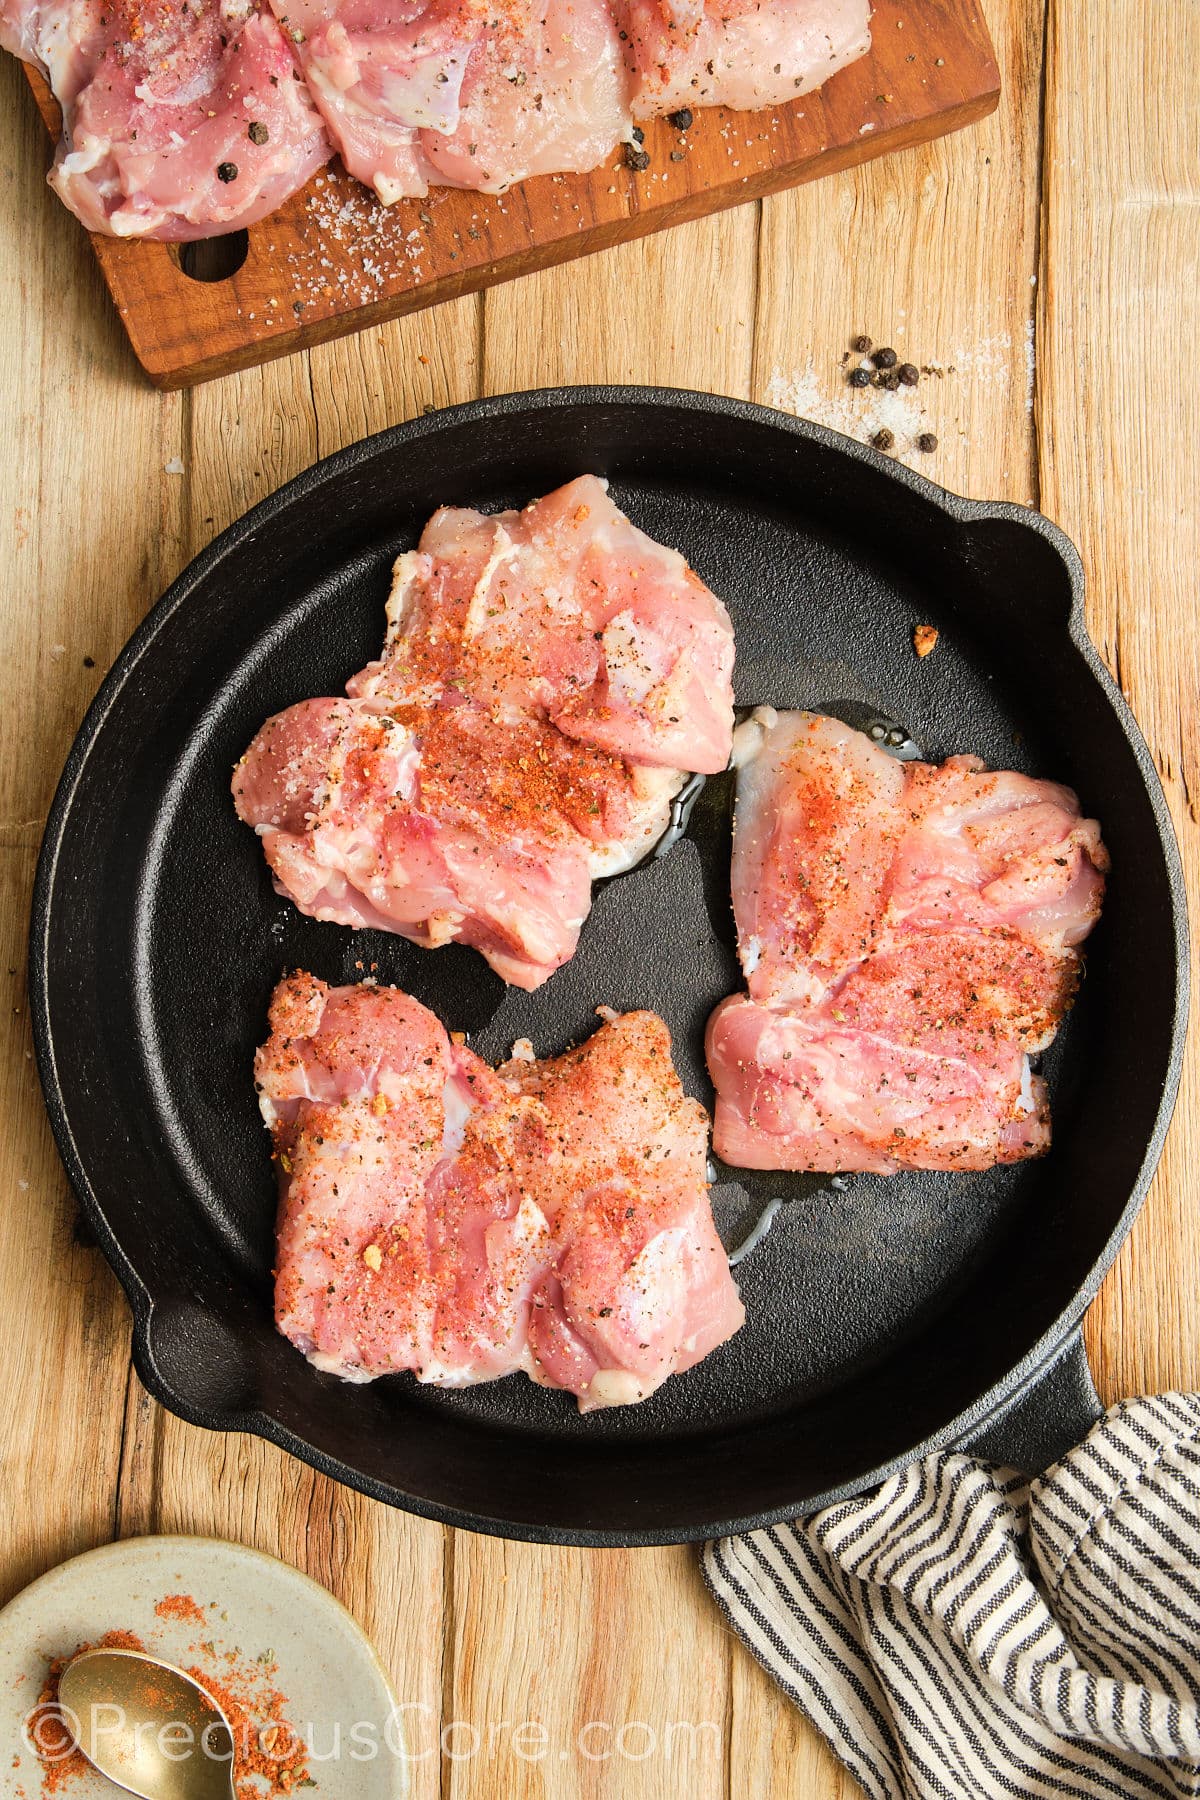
334 260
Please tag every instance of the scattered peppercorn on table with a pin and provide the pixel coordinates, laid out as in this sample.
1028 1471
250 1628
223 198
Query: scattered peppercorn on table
1028 273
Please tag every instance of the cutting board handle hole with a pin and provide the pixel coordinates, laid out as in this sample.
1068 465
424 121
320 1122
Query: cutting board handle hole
214 259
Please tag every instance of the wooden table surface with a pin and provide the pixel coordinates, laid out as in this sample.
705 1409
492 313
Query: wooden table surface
1048 261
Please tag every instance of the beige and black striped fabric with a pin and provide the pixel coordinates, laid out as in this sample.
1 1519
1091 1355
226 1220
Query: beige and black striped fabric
965 1635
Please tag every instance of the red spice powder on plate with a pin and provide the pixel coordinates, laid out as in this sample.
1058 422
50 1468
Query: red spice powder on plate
270 1759
264 1744
61 1761
181 1607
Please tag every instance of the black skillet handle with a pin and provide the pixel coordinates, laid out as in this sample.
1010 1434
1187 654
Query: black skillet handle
1053 1414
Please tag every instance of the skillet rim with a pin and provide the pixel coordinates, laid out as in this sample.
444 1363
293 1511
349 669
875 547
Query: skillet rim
990 1407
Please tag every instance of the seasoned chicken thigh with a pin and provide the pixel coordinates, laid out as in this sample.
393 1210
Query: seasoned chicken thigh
568 608
464 1223
549 678
908 936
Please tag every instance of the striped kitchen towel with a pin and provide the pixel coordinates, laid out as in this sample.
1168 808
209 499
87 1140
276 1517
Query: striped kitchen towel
964 1632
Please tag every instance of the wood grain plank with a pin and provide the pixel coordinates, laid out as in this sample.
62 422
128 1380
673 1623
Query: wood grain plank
387 373
384 1567
88 536
333 260
777 1754
676 311
935 253
581 1674
60 1431
1118 422
244 438
85 540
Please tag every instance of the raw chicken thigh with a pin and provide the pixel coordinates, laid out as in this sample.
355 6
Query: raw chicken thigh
179 121
462 93
908 937
548 678
744 54
30 30
189 120
464 1223
65 38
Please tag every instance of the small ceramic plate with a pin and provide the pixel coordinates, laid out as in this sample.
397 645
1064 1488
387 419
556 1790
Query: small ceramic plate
277 1641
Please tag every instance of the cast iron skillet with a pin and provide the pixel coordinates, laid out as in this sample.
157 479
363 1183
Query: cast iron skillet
883 1319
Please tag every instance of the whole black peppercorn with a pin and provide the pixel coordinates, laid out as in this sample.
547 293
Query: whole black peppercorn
883 440
860 378
227 171
885 358
636 159
890 379
258 133
927 442
861 343
681 120
909 374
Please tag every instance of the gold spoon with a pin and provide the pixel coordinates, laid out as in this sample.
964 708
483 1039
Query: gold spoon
147 1726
